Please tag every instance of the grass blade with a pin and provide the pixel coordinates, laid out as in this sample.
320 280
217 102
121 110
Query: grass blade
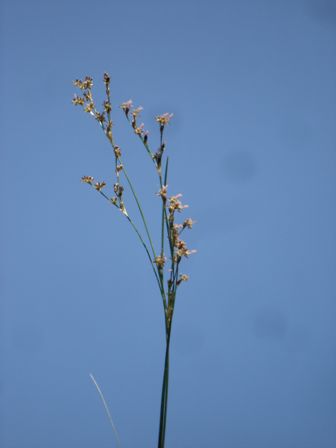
106 410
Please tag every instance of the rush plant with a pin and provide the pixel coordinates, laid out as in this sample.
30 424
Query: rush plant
165 258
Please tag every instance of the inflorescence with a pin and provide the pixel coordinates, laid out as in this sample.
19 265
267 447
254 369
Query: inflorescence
170 204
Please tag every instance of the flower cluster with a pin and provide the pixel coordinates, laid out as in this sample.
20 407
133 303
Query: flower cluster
86 84
188 223
126 107
182 250
138 128
182 278
160 261
179 247
99 185
88 179
87 102
163 192
175 204
164 118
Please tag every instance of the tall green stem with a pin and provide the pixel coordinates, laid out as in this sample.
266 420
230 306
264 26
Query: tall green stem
164 395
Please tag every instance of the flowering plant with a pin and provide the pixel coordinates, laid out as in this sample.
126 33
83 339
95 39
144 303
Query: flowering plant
166 269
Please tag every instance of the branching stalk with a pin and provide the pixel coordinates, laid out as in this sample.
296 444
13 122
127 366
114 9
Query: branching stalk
168 228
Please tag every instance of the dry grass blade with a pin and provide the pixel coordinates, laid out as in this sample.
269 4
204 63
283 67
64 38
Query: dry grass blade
107 410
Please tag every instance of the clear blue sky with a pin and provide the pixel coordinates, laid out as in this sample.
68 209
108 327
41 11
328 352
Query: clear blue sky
253 149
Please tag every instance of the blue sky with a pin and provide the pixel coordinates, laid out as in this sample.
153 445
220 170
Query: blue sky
252 148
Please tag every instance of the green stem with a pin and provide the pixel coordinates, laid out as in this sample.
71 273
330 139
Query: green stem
150 153
147 147
143 244
158 277
134 195
162 227
150 259
140 210
164 396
